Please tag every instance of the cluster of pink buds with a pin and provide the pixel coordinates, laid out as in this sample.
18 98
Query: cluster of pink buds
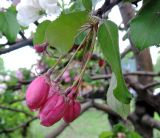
46 95
52 104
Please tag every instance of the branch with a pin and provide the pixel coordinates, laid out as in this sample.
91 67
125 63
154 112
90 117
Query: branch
151 85
149 121
146 120
138 73
108 110
19 85
106 7
15 110
63 125
143 93
9 130
95 94
22 35
17 100
18 45
126 51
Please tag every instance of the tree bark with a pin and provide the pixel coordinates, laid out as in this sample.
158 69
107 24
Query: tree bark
143 63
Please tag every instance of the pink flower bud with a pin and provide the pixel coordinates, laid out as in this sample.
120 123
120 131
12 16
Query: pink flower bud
37 92
66 74
40 48
76 78
67 79
73 111
53 110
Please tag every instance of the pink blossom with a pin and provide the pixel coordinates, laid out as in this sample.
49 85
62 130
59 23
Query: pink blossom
53 110
37 92
15 2
66 74
76 78
19 75
40 47
67 79
73 111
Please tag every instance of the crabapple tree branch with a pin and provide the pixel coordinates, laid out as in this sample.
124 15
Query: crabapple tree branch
16 46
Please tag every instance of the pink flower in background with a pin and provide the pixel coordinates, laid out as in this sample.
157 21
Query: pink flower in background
19 75
76 77
2 87
66 77
40 66
37 93
15 2
66 74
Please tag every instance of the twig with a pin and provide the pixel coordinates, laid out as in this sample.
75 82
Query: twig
151 85
22 35
126 51
16 46
152 100
107 109
106 7
137 73
149 121
15 110
17 100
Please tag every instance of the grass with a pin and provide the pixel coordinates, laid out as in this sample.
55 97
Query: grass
88 125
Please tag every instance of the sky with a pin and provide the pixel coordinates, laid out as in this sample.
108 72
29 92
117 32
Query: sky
26 57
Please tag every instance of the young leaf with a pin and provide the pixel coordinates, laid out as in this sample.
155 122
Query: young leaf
108 39
87 4
39 36
145 30
133 135
117 106
106 134
61 32
9 25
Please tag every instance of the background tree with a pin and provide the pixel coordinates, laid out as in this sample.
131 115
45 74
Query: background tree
79 48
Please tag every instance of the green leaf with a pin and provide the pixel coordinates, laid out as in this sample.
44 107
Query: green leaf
9 25
87 4
119 107
39 36
119 128
61 32
133 135
145 1
145 30
80 38
106 134
108 39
